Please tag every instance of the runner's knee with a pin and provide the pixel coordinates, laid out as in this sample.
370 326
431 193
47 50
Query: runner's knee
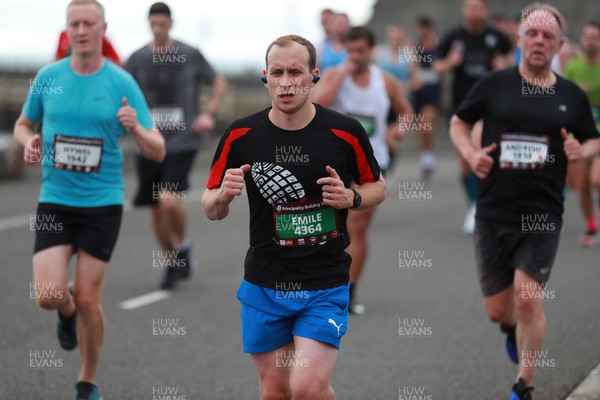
497 313
527 305
51 300
275 393
169 202
86 301
313 389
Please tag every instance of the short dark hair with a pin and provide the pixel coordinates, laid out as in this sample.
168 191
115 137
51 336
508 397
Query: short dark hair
160 8
593 24
286 40
425 21
360 33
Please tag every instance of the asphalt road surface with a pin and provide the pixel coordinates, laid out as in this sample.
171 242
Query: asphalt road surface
454 352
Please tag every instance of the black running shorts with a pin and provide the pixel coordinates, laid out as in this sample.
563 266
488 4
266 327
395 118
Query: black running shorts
501 247
92 229
170 175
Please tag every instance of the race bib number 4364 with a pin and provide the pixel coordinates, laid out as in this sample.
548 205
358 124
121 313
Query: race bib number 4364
304 224
77 154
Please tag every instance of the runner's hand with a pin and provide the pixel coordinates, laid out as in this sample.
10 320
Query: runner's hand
127 116
481 162
203 123
233 183
455 57
571 145
335 193
32 153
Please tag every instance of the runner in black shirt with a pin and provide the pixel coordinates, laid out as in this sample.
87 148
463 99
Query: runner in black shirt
296 161
533 123
471 51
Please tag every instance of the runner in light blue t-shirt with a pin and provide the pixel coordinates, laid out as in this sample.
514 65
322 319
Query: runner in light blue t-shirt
85 103
81 158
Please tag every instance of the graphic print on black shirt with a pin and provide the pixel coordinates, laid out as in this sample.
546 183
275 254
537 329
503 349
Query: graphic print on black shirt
528 175
478 53
293 235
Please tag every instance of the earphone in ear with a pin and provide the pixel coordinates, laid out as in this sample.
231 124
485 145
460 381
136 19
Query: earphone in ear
263 79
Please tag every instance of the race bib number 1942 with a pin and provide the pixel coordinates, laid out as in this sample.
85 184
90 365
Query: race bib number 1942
77 154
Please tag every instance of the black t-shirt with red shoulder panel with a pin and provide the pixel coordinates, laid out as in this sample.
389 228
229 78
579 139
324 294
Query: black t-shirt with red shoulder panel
294 237
525 119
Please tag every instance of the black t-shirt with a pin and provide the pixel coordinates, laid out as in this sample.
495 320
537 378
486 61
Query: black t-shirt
293 236
528 175
478 53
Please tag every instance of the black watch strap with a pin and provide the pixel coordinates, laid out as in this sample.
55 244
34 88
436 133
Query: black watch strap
357 199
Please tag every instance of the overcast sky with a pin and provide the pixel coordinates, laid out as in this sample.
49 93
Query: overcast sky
232 34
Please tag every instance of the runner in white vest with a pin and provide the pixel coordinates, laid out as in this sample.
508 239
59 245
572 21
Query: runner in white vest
369 105
362 90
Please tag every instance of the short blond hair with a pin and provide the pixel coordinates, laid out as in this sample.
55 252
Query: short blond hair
80 2
287 40
562 22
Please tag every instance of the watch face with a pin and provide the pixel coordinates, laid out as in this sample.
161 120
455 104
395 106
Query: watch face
357 199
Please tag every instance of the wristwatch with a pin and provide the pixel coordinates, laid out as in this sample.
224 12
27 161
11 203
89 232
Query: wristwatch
357 199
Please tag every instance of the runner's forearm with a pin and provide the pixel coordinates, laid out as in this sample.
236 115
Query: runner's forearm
460 136
23 130
219 87
326 93
151 143
590 148
441 66
372 193
214 208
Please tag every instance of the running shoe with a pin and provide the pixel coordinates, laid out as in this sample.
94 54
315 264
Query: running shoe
188 264
520 391
67 329
170 278
469 224
511 342
588 240
356 308
427 175
87 391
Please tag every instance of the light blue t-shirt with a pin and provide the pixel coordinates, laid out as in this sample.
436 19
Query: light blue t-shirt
330 57
82 163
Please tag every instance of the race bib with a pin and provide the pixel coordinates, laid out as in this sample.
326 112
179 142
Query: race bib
368 123
169 118
77 154
523 151
304 224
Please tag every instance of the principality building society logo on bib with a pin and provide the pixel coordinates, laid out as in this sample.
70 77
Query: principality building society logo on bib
297 221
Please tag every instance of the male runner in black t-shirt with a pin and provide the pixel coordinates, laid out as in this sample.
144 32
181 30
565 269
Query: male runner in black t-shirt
296 161
534 122
471 51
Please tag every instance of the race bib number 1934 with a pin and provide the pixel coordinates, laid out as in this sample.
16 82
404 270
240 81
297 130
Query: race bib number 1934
523 151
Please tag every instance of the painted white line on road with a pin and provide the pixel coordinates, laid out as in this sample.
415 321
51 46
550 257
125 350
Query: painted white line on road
23 220
589 389
144 300
18 221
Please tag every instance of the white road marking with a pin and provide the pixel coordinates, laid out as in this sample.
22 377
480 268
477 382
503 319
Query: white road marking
23 220
589 388
144 300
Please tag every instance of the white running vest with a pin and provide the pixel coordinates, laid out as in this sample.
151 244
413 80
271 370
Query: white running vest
370 106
